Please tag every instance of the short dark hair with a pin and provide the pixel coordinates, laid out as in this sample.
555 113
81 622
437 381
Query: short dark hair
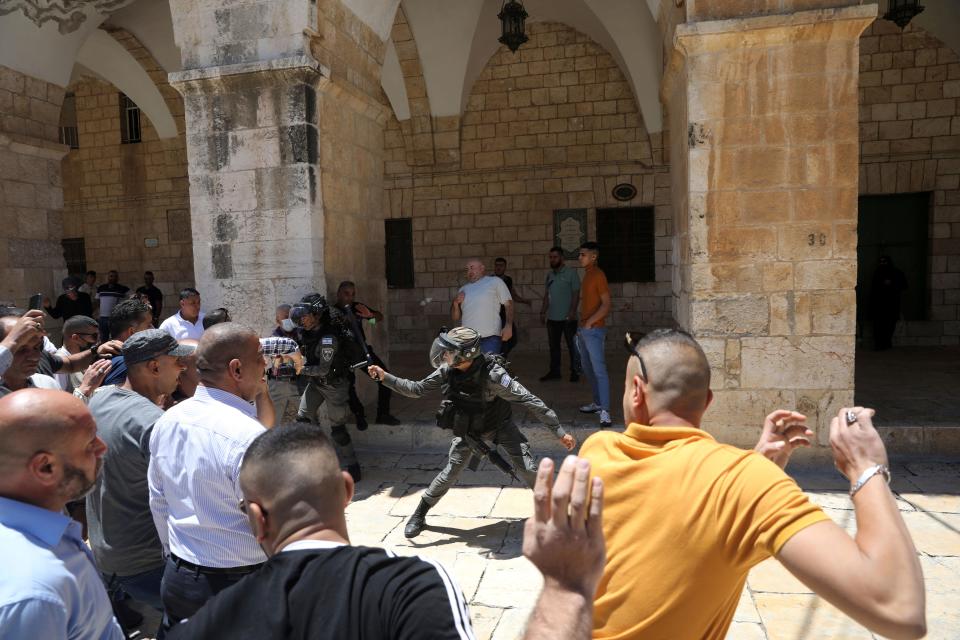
345 284
148 273
113 271
676 337
75 323
91 273
216 316
188 292
556 250
591 246
126 314
503 260
297 437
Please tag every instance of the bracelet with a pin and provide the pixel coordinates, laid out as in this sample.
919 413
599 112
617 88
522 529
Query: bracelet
868 473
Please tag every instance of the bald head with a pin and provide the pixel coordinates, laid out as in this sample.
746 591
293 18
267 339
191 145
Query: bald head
292 471
475 269
49 450
678 375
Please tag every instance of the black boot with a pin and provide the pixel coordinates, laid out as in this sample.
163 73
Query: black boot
417 521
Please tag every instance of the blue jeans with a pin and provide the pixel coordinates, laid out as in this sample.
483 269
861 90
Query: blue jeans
491 344
590 345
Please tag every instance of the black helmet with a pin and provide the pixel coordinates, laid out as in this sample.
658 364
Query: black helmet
314 304
461 343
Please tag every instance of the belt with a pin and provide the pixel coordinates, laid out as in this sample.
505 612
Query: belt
250 568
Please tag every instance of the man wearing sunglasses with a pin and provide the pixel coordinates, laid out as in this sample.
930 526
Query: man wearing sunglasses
80 333
685 517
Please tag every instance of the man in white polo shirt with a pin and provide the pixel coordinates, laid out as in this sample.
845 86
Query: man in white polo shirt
187 323
477 306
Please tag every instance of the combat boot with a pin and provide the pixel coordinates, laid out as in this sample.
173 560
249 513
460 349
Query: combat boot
417 521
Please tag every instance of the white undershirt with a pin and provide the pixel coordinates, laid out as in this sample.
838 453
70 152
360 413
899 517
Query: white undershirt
300 545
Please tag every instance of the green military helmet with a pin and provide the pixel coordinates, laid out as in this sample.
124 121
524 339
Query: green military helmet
455 346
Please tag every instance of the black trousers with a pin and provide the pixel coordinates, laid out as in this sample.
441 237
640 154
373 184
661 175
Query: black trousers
383 393
567 329
184 590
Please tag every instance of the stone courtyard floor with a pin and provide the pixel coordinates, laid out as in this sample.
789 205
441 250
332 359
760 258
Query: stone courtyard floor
476 531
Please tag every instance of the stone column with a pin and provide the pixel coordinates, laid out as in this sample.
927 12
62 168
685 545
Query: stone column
284 125
31 188
256 211
764 174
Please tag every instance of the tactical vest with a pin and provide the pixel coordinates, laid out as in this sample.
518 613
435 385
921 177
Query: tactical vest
331 354
467 391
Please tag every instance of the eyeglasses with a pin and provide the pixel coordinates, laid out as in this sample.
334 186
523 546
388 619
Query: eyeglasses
630 342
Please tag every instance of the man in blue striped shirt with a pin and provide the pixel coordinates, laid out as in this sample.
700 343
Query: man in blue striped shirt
195 454
49 455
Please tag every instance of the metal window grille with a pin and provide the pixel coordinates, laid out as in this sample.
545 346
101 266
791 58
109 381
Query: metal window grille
129 121
627 244
68 122
75 255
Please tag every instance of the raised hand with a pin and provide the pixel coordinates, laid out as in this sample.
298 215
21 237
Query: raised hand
564 538
783 431
856 444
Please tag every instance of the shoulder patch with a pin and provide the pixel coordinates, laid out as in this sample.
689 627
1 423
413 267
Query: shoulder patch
326 340
505 380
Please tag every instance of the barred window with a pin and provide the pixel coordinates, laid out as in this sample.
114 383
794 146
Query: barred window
68 122
627 244
129 121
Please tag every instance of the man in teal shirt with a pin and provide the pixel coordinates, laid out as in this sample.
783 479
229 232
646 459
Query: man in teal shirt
559 313
49 455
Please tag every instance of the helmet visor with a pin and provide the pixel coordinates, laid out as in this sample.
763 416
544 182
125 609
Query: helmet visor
298 311
441 353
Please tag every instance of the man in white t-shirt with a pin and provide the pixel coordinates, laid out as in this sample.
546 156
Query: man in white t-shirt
187 323
477 306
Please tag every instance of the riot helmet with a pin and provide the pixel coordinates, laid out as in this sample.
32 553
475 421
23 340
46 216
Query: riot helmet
452 347
313 304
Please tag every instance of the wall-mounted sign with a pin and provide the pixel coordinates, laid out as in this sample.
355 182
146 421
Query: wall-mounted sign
151 243
569 230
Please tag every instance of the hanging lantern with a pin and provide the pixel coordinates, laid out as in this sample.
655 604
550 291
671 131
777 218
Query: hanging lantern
902 12
512 14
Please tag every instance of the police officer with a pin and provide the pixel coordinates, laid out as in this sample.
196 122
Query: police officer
330 348
478 394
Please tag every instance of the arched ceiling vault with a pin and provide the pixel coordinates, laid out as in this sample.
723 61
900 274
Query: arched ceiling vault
456 39
48 45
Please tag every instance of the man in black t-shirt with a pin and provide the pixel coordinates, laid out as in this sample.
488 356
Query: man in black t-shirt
154 295
315 584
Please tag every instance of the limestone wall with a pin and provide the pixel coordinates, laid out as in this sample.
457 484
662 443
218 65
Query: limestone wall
553 126
117 196
31 197
910 142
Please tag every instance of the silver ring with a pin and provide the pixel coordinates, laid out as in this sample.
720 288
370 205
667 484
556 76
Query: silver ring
851 416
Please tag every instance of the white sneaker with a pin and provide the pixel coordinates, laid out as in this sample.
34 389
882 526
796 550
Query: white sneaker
593 407
605 420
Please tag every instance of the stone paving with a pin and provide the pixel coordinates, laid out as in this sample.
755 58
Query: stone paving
477 529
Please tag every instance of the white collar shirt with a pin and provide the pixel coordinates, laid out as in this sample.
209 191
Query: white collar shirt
183 329
195 453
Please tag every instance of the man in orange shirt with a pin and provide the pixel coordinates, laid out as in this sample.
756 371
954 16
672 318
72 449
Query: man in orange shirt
685 517
594 308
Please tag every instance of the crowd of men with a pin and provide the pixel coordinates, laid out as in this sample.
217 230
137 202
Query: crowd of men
159 468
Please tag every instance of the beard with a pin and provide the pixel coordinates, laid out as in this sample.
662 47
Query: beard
76 484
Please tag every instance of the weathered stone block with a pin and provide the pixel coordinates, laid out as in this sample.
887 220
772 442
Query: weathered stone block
803 362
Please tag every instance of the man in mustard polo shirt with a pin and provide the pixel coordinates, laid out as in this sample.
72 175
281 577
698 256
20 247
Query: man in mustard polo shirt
685 518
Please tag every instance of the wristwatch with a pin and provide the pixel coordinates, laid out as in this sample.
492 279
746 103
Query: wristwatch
868 473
